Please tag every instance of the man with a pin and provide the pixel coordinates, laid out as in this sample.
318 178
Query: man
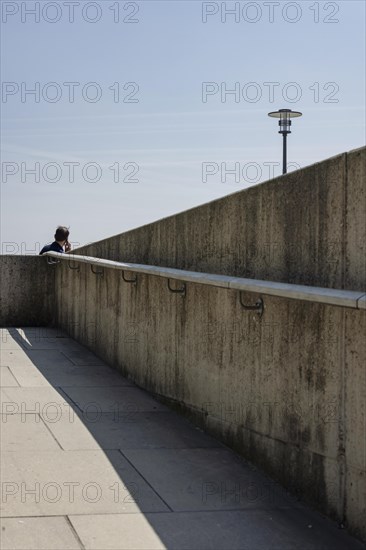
61 236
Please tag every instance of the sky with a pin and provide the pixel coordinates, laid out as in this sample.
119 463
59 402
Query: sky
116 114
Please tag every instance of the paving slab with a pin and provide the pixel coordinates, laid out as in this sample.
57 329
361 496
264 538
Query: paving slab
120 531
44 400
207 479
61 344
37 338
7 378
83 357
47 533
27 375
118 399
72 430
14 357
254 530
56 483
8 342
36 332
68 375
43 357
18 434
127 430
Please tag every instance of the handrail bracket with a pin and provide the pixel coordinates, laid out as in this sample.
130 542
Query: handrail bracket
100 273
259 305
181 290
131 281
77 268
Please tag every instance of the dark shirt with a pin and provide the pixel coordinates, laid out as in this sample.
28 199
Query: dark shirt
54 247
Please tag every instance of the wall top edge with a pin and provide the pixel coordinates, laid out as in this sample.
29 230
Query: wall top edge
248 189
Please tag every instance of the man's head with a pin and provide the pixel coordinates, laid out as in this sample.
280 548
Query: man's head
62 234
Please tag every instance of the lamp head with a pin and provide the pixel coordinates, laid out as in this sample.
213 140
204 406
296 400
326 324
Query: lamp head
284 122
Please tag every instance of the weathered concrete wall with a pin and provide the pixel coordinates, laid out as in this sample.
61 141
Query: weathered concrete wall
27 295
308 227
288 390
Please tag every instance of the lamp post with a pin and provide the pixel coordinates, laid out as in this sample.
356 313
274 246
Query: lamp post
284 123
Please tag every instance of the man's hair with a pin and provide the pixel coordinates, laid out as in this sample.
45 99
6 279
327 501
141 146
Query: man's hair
62 233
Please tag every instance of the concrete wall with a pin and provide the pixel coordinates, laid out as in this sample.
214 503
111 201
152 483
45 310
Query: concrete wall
287 390
308 227
27 295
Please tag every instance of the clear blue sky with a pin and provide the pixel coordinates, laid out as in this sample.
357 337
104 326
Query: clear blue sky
169 132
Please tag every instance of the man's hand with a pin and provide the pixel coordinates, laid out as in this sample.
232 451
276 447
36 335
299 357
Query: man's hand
67 246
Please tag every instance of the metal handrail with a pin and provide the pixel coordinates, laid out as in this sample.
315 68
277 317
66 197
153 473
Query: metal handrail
330 296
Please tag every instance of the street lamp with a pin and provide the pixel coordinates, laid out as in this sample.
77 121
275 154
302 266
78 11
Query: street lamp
284 123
